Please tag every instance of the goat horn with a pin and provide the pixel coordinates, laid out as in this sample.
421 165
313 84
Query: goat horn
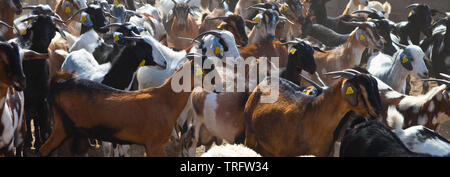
256 5
413 5
110 16
113 25
58 20
189 39
344 74
444 75
284 18
175 2
352 71
439 81
258 8
320 80
213 32
399 45
215 18
188 1
29 18
319 88
76 13
133 13
5 24
289 42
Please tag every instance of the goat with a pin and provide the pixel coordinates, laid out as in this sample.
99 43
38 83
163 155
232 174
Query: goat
230 150
418 139
10 8
213 43
181 24
418 110
37 37
66 8
12 84
233 23
266 24
373 139
349 56
113 122
305 114
152 22
317 9
136 53
121 13
394 70
419 21
209 124
242 8
291 10
437 47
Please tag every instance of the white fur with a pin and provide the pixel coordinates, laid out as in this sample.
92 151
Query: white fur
418 101
85 65
413 140
391 71
88 41
230 150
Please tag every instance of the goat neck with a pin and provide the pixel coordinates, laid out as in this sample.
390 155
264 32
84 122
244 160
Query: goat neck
397 73
353 49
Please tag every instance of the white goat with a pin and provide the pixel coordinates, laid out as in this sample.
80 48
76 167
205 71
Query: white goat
418 139
394 70
151 21
86 66
230 150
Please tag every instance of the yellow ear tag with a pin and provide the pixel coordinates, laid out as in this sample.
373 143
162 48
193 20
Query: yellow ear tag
220 26
218 51
259 1
256 19
368 19
285 8
448 96
198 72
308 92
116 38
410 14
349 91
404 60
68 10
293 51
116 2
362 37
24 31
142 63
83 18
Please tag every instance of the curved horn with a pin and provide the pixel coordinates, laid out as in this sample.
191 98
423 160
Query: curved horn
113 25
399 45
133 13
175 2
206 33
257 8
284 18
29 18
215 18
439 81
75 14
289 42
344 74
413 5
445 75
110 16
256 5
319 88
189 39
58 20
5 24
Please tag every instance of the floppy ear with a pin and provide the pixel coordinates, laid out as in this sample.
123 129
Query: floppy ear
405 60
350 93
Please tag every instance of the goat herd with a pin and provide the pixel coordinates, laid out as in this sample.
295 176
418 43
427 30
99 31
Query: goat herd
99 75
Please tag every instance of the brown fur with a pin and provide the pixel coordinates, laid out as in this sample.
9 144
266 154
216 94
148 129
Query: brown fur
190 31
60 10
144 117
7 15
298 125
263 49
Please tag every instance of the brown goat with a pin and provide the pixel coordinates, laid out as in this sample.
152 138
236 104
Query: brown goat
267 49
9 9
298 124
349 56
106 112
66 8
233 23
182 24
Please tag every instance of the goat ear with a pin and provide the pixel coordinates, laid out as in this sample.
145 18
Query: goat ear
350 93
405 60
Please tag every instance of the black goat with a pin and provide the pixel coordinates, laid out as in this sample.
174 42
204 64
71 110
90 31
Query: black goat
437 47
372 138
318 10
37 37
419 21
